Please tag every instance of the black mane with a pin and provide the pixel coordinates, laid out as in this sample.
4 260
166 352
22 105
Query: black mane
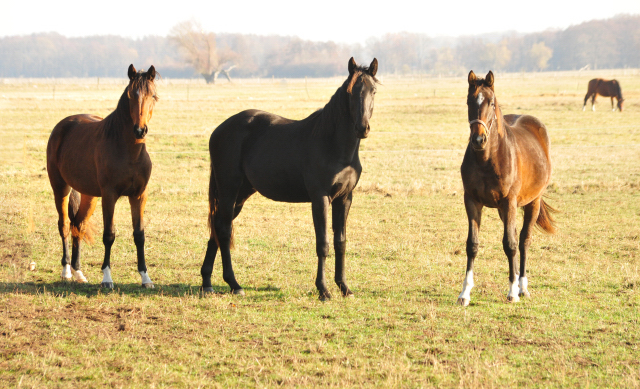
337 109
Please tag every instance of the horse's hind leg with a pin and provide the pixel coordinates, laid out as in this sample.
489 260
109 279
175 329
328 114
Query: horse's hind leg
223 224
61 197
593 102
531 212
246 190
340 211
586 98
80 210
474 215
137 217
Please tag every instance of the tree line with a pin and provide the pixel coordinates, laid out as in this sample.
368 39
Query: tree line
597 44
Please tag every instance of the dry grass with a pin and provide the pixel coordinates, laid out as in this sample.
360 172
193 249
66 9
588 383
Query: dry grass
405 255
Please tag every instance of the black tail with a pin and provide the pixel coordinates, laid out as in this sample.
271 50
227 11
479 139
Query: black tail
214 201
89 227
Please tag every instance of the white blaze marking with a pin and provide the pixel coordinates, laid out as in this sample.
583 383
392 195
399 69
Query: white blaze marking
513 291
66 272
145 278
106 275
480 99
79 277
466 286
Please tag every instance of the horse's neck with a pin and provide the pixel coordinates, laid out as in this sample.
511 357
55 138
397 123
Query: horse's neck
496 155
118 127
341 136
345 142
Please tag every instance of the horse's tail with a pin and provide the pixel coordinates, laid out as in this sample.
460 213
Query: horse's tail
89 228
214 201
545 221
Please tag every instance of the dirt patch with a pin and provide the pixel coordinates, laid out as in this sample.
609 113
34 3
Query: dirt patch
14 252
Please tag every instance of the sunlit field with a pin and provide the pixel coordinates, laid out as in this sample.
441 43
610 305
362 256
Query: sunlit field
405 254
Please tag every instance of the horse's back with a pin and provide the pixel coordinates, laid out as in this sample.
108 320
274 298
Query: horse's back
267 150
528 128
248 121
605 88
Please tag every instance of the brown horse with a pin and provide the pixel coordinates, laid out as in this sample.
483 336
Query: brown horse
90 157
506 166
606 88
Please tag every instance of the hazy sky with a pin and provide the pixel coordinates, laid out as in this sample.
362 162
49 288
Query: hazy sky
340 21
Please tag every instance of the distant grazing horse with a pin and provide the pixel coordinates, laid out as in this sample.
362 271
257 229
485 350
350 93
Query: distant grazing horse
311 160
606 88
90 157
506 166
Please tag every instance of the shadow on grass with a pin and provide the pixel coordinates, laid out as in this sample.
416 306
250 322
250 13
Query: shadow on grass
63 289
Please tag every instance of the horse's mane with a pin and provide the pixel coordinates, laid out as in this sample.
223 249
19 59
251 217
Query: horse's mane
326 119
119 118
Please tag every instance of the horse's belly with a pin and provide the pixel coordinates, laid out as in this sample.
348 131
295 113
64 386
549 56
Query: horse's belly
279 186
85 182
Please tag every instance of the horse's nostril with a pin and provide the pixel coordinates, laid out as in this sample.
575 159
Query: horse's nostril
479 139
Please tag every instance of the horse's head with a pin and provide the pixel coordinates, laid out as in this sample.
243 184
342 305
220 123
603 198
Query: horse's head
481 103
142 98
620 103
361 87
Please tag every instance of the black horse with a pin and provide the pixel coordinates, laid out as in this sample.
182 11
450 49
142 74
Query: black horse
311 160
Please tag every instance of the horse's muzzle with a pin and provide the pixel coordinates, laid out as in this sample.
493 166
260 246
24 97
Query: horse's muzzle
140 133
478 142
363 133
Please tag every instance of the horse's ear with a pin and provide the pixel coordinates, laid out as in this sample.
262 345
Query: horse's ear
151 73
352 65
373 68
472 78
132 72
489 79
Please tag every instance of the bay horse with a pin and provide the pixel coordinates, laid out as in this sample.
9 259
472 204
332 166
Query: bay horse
310 160
605 88
506 166
90 157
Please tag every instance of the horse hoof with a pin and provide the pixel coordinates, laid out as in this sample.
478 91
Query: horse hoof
65 279
349 295
239 292
107 285
326 296
464 302
513 299
525 294
148 285
207 289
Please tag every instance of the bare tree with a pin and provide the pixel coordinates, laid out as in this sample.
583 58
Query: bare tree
200 51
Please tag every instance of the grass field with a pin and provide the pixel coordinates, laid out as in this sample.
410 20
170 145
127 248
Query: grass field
405 254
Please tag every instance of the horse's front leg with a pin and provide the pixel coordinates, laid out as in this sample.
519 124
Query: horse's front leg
108 236
137 217
320 211
339 213
613 107
474 214
508 210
